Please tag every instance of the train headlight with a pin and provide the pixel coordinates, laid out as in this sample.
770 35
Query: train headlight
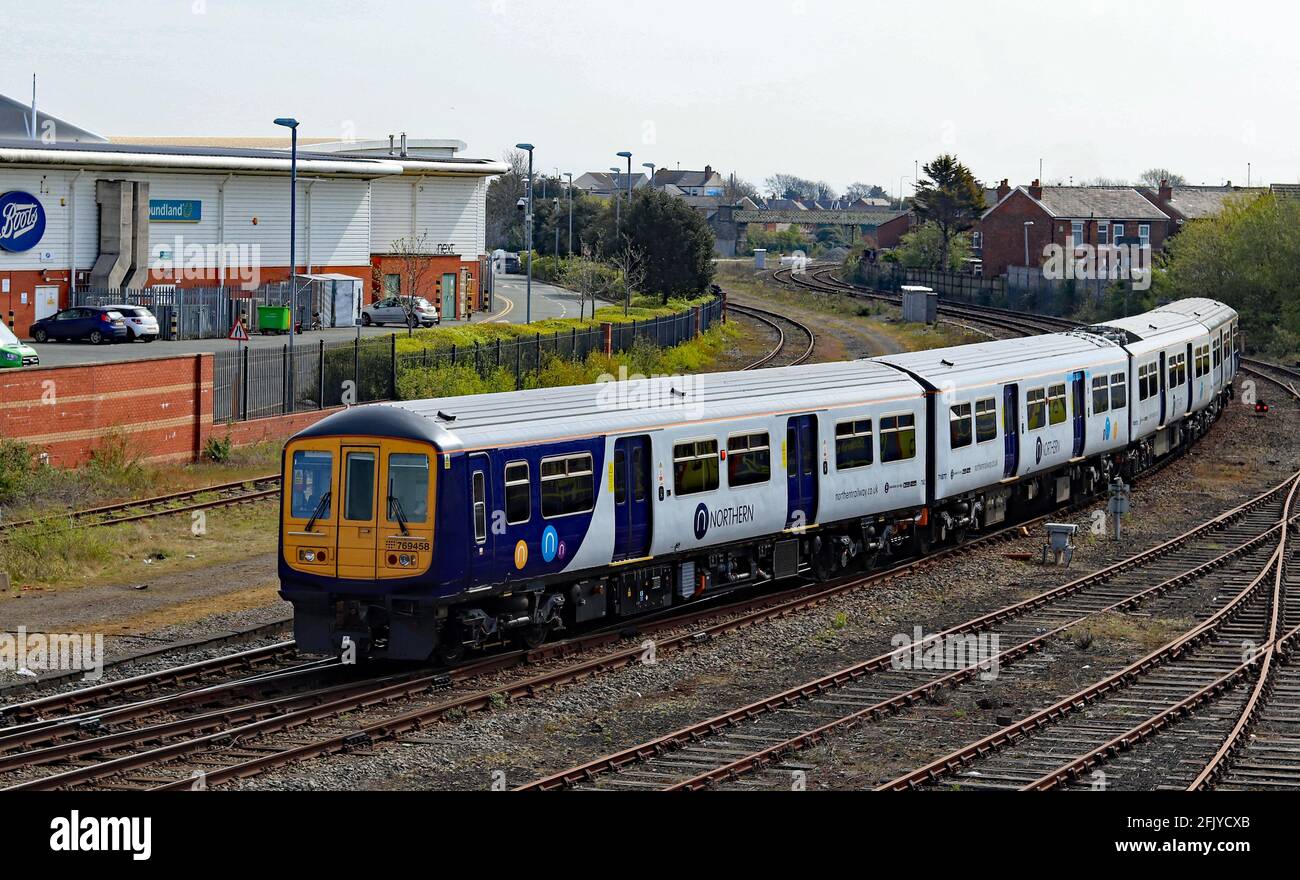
311 556
406 560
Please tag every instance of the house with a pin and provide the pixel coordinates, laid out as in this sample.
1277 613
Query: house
1183 203
602 183
706 183
1025 221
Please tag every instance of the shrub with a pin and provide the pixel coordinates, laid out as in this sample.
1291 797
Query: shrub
16 469
218 449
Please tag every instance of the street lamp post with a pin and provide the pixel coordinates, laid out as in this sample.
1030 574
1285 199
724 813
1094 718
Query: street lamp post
651 166
569 174
528 233
555 218
292 124
628 156
618 201
1028 223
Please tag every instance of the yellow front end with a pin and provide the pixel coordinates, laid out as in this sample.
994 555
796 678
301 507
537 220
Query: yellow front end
359 508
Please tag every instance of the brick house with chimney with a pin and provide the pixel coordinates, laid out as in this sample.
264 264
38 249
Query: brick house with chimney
1183 203
1068 216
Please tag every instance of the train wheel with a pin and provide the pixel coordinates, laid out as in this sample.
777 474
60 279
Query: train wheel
449 653
534 636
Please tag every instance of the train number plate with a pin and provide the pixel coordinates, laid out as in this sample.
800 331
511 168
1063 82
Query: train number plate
407 546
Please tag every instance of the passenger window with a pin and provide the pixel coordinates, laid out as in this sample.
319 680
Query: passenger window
1036 408
519 502
313 474
480 507
853 444
749 460
1056 404
568 485
359 505
986 420
408 487
960 427
1118 391
1100 395
897 437
695 467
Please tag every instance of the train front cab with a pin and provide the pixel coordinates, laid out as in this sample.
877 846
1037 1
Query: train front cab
357 526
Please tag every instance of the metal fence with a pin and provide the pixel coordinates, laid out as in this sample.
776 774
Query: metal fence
1020 289
256 382
208 312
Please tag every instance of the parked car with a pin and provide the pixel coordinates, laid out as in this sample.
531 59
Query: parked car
139 321
95 324
400 310
14 353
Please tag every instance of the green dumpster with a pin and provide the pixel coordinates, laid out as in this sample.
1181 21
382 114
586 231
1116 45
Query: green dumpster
272 319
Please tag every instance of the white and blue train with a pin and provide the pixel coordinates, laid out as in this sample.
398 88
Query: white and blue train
422 528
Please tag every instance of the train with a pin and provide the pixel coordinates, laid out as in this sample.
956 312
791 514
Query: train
422 530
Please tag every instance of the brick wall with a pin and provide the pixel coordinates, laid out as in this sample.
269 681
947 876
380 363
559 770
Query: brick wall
160 407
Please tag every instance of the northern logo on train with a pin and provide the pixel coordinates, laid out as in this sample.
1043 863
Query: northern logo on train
1038 452
701 521
22 221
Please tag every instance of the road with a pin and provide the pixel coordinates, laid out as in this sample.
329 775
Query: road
510 306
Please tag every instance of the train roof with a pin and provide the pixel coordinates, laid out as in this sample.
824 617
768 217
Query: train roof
997 361
1149 330
1208 311
543 415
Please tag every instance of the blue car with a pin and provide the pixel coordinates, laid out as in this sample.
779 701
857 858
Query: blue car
95 324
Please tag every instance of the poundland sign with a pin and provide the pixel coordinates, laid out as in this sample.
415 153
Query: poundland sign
175 210
22 221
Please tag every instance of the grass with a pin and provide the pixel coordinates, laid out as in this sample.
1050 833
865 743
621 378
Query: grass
56 553
115 472
1113 626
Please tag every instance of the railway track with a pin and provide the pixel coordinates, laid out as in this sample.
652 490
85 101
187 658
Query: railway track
203 498
787 352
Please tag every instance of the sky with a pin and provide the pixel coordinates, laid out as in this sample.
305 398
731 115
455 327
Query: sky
836 90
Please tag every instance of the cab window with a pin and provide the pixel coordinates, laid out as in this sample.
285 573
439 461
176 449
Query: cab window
408 487
313 472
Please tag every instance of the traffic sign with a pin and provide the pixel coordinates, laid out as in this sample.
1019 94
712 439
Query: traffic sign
238 333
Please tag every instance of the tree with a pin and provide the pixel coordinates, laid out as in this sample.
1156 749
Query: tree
950 198
1154 176
675 242
630 264
503 220
737 188
414 258
864 191
925 248
586 277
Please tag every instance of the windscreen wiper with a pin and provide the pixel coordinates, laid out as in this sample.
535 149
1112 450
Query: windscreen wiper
395 508
321 506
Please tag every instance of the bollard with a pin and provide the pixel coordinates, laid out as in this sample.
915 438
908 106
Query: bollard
607 337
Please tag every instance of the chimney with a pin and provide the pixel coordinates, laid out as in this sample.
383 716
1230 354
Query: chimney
708 174
403 145
391 138
1166 192
1004 189
1036 189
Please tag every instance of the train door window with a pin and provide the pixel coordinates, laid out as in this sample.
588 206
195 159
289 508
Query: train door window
986 420
568 485
519 502
1100 395
897 437
408 487
808 452
620 478
1056 412
1036 408
695 466
853 444
359 505
1218 354
640 474
960 425
749 459
480 507
313 473
1118 391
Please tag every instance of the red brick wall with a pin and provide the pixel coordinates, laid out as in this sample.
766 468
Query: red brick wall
158 406
890 233
430 283
261 430
1003 236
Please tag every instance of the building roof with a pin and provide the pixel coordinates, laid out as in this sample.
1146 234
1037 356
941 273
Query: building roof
682 178
1102 202
1198 202
607 181
1286 190
16 121
828 218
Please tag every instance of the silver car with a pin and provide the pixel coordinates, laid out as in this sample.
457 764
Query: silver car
400 310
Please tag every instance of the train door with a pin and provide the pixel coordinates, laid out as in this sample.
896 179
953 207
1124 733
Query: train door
1080 414
1011 429
1164 391
358 534
480 510
1190 380
801 470
632 514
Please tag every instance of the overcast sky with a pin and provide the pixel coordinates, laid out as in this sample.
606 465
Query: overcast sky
830 89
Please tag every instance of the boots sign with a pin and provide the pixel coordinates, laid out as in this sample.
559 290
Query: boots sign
22 221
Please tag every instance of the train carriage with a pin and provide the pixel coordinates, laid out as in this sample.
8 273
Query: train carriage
425 527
